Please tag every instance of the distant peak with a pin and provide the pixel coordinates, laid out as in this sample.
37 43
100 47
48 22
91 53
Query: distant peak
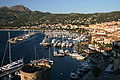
20 5
19 8
3 7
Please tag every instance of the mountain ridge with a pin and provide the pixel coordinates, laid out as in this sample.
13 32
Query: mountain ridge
21 16
17 8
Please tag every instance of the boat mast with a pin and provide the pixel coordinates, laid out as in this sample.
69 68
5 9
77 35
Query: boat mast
9 48
54 49
49 53
35 53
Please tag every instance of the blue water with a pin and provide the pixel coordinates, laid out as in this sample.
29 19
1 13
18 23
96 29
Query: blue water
26 51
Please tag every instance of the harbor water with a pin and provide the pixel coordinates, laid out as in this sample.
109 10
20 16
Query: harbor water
62 66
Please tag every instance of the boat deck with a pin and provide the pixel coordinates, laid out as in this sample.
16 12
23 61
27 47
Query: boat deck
10 71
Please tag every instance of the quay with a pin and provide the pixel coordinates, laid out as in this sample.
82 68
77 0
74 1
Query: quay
36 70
21 37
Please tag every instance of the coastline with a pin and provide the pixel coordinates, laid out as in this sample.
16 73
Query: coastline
17 30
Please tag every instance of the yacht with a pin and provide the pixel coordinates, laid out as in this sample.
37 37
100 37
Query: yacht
55 52
73 75
61 51
53 41
59 44
45 42
20 39
80 57
67 44
11 65
63 44
70 44
59 54
55 44
66 51
83 69
43 60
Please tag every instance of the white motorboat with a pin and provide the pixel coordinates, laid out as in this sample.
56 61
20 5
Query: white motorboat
73 75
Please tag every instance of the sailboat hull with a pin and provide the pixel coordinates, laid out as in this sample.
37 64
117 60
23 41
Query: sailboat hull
13 65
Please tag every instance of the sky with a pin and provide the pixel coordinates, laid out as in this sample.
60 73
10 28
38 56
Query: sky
66 6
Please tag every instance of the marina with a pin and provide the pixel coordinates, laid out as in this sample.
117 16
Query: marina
26 49
66 60
59 40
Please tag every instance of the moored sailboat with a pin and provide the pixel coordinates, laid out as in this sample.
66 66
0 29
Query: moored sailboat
12 65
